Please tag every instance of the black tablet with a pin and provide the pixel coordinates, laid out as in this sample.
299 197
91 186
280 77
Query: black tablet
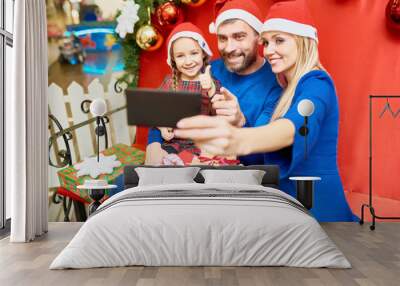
160 108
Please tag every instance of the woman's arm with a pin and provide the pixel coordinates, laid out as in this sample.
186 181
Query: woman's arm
216 136
267 138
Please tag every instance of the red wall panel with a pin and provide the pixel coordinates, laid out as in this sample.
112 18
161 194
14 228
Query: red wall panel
363 58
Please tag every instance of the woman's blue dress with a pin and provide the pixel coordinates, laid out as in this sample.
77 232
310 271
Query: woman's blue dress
329 200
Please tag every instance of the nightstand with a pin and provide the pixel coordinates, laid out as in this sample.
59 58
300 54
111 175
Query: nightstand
96 193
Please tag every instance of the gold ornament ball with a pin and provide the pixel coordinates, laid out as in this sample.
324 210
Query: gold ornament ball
193 3
148 38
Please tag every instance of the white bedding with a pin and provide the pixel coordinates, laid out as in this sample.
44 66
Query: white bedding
182 231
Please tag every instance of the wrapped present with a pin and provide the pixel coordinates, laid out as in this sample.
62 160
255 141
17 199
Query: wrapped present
127 155
187 158
218 161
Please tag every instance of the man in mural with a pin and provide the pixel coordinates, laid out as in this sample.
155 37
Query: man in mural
250 90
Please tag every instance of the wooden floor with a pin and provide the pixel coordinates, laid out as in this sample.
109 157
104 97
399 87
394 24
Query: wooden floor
374 255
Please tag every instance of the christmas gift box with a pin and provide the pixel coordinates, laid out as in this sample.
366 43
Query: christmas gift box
127 155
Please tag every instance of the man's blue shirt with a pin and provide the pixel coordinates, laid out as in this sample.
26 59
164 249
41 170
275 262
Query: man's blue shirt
257 94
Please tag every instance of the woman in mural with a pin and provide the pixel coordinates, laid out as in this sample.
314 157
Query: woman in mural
290 45
188 55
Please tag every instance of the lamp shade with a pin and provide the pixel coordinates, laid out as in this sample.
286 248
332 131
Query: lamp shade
98 107
305 107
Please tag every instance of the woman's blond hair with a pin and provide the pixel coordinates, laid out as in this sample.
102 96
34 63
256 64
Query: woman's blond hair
307 60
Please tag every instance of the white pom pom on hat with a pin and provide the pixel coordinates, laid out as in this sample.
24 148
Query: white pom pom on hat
211 28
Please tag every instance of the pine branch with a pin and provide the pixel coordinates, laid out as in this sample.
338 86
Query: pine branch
130 49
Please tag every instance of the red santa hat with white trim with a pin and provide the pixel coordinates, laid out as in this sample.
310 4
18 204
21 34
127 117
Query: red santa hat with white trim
187 30
291 17
245 10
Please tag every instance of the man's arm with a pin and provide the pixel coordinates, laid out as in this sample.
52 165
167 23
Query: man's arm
227 105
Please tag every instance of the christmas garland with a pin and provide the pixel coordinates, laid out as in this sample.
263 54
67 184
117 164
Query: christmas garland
135 18
130 49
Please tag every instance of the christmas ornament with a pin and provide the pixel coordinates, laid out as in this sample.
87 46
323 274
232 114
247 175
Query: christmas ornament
169 15
127 19
148 38
90 166
393 14
193 3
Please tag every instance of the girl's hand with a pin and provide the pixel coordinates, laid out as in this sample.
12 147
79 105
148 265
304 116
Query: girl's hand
172 160
167 133
206 80
154 154
212 134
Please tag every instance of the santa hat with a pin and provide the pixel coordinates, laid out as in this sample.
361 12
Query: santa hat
187 30
245 10
290 17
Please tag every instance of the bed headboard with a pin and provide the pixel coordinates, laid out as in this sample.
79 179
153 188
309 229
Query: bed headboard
270 179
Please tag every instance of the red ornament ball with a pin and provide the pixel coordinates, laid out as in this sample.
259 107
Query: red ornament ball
169 15
393 14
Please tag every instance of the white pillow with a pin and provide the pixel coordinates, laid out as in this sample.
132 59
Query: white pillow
248 177
166 176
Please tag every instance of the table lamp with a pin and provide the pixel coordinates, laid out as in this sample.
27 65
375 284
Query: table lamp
305 109
305 184
97 188
98 108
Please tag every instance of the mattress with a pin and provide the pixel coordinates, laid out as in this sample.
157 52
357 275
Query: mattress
201 225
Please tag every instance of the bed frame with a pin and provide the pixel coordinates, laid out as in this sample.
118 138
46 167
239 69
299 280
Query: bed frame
270 179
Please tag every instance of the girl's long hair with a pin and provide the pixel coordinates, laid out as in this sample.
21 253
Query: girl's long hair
307 60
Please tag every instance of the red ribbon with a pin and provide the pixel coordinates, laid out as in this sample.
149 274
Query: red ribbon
218 160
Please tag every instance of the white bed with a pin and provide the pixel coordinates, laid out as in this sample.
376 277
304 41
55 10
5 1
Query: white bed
203 225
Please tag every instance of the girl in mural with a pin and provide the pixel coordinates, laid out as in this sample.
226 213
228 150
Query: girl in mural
188 55
290 45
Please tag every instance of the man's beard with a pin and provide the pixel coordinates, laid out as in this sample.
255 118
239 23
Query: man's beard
248 60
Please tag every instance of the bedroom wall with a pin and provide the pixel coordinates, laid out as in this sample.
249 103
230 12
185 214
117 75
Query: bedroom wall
363 58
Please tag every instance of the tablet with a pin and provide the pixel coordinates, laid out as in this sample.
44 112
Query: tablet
160 108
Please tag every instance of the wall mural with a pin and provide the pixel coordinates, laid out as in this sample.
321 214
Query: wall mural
95 57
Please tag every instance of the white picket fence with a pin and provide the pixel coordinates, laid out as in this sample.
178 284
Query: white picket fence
67 109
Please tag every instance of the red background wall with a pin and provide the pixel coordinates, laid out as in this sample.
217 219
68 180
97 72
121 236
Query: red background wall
363 57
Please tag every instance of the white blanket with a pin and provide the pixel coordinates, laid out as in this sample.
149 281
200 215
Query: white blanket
205 230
